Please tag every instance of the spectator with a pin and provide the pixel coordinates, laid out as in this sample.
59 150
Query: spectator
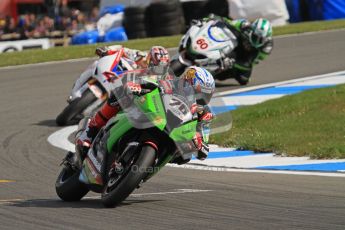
67 21
64 11
10 26
63 24
94 15
2 26
48 23
41 30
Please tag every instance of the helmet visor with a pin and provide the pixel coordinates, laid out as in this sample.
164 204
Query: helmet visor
256 40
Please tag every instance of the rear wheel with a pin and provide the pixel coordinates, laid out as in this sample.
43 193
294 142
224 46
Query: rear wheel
242 80
72 114
115 192
177 67
68 187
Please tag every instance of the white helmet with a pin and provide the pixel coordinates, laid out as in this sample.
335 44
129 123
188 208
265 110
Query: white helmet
202 82
158 60
261 32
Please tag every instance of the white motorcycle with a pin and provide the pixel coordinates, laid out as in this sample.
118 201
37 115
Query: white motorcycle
93 87
206 44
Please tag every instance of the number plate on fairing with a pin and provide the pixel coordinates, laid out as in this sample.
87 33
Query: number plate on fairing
177 107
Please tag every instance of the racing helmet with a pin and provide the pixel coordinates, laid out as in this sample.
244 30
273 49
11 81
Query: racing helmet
158 60
261 32
202 83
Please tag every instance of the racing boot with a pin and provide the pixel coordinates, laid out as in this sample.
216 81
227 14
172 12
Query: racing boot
84 138
89 129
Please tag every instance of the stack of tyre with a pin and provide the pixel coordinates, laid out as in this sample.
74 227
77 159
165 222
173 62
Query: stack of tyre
169 17
200 9
134 22
165 18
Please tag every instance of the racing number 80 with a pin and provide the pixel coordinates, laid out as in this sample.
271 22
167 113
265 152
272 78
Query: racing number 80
202 43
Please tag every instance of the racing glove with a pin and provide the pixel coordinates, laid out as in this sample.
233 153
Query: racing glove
228 63
201 146
133 88
102 51
245 26
196 22
139 55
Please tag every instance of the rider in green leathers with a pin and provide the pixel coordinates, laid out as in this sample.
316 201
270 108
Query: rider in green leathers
255 43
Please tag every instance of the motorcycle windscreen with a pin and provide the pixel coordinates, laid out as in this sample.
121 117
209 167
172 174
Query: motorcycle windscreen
143 109
222 119
160 104
169 104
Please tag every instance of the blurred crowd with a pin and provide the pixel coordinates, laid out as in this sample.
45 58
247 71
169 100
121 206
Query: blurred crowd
63 21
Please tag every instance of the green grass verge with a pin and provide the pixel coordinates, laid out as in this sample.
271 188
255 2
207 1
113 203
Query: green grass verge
306 124
304 27
72 52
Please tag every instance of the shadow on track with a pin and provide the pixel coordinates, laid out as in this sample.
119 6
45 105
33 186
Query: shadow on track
47 123
85 203
222 84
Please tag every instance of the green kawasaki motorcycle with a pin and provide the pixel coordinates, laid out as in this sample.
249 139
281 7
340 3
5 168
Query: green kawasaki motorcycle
150 131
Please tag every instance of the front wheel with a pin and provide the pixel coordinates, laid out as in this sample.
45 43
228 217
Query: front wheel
68 187
113 195
72 114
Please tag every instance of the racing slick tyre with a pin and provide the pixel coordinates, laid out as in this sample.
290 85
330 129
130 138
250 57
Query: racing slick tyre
72 114
177 67
68 187
193 10
217 7
165 6
134 11
137 34
134 22
242 80
115 194
165 18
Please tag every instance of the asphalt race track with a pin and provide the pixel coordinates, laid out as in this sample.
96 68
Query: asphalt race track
32 96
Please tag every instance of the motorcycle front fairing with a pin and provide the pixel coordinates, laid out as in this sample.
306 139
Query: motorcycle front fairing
101 74
93 168
206 44
80 84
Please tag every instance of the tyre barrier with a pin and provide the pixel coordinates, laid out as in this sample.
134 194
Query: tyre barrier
165 18
217 7
200 9
193 10
169 17
134 22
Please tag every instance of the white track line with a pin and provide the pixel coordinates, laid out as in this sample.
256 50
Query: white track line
223 169
293 81
60 140
261 160
48 63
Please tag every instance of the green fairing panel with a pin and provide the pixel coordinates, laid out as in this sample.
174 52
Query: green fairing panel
235 23
151 104
185 132
118 130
